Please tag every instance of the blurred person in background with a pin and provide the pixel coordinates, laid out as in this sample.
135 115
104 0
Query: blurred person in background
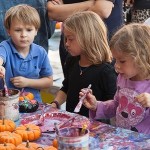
140 10
109 10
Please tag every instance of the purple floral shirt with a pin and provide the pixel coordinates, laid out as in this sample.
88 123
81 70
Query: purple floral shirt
129 113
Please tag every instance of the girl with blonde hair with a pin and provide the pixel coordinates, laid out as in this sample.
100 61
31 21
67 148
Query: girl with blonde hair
90 61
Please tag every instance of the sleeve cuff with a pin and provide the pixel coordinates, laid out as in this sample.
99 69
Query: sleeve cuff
57 104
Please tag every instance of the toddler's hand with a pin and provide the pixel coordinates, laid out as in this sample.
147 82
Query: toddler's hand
90 101
2 72
144 99
19 81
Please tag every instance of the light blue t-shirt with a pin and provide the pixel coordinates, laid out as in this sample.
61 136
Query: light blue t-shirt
36 65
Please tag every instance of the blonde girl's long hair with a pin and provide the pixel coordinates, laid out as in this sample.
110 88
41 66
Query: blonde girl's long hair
91 35
23 13
134 40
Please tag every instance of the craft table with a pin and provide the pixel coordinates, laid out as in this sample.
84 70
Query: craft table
102 136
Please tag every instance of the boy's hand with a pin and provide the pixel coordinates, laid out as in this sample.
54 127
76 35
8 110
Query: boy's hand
90 101
2 72
19 81
144 99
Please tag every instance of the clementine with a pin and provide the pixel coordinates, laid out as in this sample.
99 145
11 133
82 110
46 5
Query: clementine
58 25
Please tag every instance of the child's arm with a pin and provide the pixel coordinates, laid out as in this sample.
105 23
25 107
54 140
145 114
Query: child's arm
41 83
2 69
59 99
144 99
99 109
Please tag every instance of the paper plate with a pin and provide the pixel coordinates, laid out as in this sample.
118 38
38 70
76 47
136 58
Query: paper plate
56 117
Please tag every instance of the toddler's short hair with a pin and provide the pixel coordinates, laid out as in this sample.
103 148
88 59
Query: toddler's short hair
24 13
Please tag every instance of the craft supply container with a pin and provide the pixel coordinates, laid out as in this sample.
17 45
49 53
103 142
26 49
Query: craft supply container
9 108
73 139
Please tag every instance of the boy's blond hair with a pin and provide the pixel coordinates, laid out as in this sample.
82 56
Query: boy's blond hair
134 40
23 13
91 35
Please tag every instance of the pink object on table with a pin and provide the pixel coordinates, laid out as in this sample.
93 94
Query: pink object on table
63 119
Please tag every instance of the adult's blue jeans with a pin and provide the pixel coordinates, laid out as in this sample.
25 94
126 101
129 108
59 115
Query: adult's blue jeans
47 26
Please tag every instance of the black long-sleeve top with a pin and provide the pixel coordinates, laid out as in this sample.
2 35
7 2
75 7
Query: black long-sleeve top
102 77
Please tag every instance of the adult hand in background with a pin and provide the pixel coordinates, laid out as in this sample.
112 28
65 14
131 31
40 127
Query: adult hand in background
129 2
56 2
103 8
59 11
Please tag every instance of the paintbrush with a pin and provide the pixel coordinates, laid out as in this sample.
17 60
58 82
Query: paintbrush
68 120
56 129
5 88
78 107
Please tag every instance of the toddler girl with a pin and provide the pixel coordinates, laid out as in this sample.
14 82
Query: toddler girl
130 47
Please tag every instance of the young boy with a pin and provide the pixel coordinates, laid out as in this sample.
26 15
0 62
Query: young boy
27 65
